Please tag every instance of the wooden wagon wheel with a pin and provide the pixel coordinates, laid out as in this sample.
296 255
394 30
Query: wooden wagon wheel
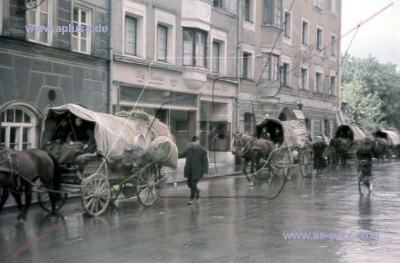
43 197
306 163
280 163
149 185
96 190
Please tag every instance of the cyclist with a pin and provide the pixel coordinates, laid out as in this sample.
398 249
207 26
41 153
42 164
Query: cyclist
364 157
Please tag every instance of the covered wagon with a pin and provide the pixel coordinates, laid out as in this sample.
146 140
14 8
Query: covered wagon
392 139
292 135
347 139
125 156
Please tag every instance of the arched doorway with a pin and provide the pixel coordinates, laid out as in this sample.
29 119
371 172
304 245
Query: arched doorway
286 114
18 126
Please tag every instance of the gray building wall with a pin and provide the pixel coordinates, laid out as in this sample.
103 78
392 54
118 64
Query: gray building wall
29 70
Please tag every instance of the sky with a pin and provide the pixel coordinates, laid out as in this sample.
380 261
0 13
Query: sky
380 36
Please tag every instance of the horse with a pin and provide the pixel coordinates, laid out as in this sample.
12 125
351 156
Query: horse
19 169
341 147
252 150
380 148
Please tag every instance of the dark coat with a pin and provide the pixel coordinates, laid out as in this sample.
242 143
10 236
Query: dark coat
196 161
319 160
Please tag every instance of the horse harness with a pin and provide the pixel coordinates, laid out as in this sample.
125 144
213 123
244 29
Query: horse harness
12 169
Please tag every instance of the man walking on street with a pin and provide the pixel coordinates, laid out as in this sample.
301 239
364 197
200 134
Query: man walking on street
195 167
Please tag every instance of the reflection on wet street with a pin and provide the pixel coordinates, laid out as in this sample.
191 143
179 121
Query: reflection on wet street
232 223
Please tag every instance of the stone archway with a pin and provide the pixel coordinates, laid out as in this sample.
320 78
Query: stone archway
286 114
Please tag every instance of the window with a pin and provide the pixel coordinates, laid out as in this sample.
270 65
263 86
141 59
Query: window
162 42
249 123
304 78
194 47
39 20
304 33
318 82
17 129
248 10
216 56
319 39
327 127
285 73
246 67
130 35
270 67
287 27
217 3
332 85
273 12
318 3
333 45
81 39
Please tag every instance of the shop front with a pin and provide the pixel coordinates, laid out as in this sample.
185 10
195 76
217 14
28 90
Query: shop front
177 110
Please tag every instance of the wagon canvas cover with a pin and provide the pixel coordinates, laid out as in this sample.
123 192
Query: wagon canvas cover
392 136
112 133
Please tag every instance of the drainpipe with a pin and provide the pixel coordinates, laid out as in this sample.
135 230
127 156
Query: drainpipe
238 23
110 57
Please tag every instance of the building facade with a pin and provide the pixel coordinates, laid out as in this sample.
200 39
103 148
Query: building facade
290 63
39 69
207 68
178 60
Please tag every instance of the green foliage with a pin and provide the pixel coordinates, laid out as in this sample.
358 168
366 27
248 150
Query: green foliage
377 83
365 108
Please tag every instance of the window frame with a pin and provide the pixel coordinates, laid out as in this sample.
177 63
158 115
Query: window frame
220 3
334 46
79 23
134 18
248 17
318 4
285 75
306 85
286 34
320 42
318 85
36 33
272 12
20 126
247 56
332 88
305 36
160 25
218 58
195 32
273 73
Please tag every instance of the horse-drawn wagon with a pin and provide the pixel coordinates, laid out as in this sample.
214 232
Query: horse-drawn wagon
126 158
391 139
293 136
346 141
273 151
